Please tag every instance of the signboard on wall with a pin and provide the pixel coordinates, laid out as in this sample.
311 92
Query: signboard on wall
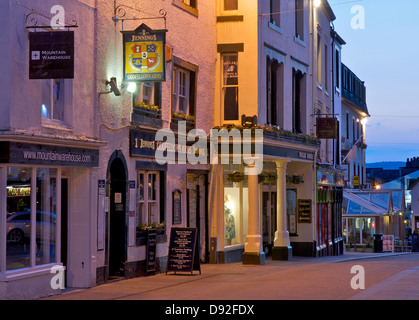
304 210
144 54
51 55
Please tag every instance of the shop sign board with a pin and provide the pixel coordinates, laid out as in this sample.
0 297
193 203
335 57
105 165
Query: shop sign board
327 128
183 255
51 55
151 251
144 54
356 181
27 153
388 243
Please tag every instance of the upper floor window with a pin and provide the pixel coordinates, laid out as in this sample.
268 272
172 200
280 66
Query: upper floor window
337 67
299 19
230 86
147 93
183 91
53 99
275 12
231 5
190 6
319 60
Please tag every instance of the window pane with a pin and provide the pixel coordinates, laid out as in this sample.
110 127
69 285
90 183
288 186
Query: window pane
230 69
46 210
46 99
230 4
58 99
151 186
231 103
18 223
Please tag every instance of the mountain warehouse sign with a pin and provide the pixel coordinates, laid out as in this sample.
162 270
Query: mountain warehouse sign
51 55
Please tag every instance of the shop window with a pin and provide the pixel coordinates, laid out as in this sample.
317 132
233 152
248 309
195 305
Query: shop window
21 252
230 86
46 210
235 207
18 223
148 199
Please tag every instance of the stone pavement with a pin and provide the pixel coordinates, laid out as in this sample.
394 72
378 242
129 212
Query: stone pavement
324 278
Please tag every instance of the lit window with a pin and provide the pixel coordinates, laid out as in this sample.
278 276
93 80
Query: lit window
53 99
230 86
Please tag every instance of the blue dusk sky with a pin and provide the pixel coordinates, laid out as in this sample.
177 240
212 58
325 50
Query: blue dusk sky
385 54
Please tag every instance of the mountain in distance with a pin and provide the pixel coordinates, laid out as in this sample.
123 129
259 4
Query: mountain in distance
387 165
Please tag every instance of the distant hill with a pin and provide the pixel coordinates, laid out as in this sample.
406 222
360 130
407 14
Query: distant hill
388 165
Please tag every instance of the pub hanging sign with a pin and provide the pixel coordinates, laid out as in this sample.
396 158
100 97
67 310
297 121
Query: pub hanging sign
144 54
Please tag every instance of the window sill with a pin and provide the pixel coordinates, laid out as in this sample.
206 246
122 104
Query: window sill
185 7
274 27
299 41
319 86
55 124
28 272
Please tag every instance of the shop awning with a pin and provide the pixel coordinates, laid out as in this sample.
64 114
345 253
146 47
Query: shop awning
372 202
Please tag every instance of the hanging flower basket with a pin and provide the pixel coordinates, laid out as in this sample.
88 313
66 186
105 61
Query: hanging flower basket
295 179
235 177
268 178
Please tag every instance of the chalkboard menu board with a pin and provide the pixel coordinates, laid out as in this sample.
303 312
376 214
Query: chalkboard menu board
304 211
182 255
151 251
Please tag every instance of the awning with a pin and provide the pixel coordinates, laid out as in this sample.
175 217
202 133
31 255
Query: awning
372 202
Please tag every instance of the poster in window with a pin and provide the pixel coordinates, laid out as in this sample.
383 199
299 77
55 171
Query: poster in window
144 54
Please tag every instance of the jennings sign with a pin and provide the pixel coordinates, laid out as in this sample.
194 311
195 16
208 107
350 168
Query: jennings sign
144 54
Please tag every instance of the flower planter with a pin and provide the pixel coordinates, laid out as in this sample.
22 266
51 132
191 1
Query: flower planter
146 116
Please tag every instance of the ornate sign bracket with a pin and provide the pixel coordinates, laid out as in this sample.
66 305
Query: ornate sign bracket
33 20
120 14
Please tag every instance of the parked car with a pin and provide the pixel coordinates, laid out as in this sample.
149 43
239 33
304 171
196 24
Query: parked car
19 226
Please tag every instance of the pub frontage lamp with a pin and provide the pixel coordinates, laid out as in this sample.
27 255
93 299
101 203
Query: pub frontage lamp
131 87
114 86
317 3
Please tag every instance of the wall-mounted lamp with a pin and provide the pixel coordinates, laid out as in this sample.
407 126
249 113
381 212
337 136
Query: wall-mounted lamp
131 87
114 86
317 3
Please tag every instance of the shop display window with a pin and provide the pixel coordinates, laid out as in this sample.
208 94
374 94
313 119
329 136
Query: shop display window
46 211
235 207
22 249
18 221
